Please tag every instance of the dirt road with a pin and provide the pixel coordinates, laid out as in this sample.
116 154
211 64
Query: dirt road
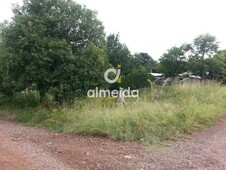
29 148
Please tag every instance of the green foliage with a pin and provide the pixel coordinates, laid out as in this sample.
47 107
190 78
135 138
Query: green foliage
221 57
144 60
203 46
199 57
135 68
93 64
20 100
136 79
155 116
215 66
174 61
59 47
44 44
117 52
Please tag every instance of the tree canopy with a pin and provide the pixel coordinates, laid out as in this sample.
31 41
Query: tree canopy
200 57
46 43
174 61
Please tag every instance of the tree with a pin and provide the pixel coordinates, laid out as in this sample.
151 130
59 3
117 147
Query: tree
145 60
94 61
174 61
44 43
7 85
118 53
137 78
222 56
216 66
203 46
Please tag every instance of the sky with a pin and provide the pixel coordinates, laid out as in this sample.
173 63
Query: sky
153 26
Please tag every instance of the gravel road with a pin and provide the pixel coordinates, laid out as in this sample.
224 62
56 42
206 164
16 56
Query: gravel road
29 148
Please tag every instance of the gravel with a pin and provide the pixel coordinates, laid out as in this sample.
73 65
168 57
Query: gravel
31 148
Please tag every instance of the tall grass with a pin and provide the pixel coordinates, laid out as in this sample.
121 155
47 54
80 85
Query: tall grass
156 115
166 115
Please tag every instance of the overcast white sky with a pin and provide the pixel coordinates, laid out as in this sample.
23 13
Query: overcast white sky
153 26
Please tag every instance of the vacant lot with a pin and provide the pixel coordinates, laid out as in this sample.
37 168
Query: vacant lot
157 115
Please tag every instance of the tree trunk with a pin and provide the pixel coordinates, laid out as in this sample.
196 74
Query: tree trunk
42 96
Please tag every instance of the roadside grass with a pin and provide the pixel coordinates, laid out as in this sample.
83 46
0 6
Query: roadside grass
155 116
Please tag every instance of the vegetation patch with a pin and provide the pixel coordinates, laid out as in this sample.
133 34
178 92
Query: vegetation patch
155 116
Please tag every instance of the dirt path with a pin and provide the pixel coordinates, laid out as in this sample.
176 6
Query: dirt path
30 148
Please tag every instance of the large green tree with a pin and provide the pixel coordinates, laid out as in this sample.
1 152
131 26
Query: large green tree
174 61
216 66
135 68
118 53
145 60
45 44
204 46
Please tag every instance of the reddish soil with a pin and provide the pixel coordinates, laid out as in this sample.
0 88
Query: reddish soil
29 148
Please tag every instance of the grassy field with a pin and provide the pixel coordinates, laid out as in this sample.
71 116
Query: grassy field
155 116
